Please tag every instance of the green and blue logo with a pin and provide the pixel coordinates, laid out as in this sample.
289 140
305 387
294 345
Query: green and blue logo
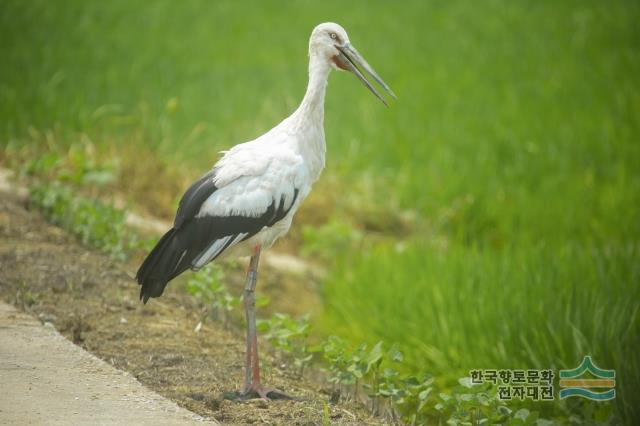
575 386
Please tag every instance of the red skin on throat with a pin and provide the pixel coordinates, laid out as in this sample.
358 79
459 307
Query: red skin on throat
339 63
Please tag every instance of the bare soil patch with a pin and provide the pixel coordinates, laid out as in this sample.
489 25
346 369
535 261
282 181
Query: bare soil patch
92 300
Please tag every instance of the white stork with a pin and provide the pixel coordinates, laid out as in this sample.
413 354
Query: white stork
248 199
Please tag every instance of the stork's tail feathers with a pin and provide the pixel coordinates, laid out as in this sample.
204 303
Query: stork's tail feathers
161 265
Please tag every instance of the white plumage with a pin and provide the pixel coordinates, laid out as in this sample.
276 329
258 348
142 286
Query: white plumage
248 200
252 176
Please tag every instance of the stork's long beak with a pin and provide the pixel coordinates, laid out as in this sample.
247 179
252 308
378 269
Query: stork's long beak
351 60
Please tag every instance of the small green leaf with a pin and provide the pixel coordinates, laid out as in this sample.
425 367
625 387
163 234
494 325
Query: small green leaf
395 354
422 396
466 382
375 355
522 414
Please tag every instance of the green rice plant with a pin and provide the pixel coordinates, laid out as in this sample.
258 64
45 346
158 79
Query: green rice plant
467 308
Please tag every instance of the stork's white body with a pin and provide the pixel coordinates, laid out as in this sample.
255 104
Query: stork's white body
289 157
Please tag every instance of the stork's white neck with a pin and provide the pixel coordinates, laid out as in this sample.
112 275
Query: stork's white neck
311 110
306 125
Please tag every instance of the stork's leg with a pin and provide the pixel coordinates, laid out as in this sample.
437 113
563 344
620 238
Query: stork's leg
250 314
252 384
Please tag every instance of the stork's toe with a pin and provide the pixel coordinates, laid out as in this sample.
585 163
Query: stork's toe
266 393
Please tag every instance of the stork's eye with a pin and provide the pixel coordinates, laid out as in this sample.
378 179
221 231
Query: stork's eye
334 36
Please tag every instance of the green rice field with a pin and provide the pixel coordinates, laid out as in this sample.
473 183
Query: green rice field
489 218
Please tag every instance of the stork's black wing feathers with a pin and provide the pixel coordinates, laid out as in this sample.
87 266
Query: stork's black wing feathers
192 200
191 236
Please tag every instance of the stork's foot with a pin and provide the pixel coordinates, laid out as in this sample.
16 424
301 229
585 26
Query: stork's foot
268 394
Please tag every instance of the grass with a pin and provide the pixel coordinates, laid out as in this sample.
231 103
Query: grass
468 309
508 166
94 222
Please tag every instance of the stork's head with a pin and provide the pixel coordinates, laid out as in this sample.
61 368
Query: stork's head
330 42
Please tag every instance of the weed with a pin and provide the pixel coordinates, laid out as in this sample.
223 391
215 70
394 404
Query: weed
25 297
78 164
289 337
336 236
95 222
326 415
208 286
336 353
412 398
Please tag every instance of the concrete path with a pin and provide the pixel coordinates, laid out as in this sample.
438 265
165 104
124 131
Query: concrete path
47 380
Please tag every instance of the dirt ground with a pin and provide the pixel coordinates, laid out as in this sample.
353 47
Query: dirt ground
92 300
